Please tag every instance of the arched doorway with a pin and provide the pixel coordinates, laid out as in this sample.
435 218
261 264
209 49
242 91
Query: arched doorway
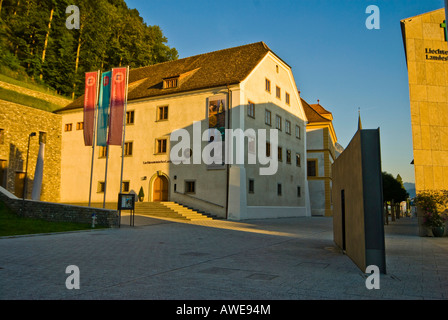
160 189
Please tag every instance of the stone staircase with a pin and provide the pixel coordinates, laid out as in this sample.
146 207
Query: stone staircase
168 209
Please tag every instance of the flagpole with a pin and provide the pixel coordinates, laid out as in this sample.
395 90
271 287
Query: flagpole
124 128
124 133
94 135
105 176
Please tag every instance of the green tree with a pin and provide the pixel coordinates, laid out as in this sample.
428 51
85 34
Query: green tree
393 190
34 38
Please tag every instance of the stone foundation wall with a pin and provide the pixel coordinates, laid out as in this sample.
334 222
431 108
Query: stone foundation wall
57 212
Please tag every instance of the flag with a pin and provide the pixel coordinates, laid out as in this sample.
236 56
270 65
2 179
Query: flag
90 97
117 102
103 109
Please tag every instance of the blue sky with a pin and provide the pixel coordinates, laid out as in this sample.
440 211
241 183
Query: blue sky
334 57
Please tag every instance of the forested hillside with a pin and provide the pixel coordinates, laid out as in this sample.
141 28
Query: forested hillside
34 40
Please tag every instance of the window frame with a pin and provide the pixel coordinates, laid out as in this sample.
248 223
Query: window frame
316 170
299 130
100 187
278 122
251 186
189 183
162 116
266 113
251 109
298 160
288 156
267 86
287 127
123 183
128 146
80 125
157 145
130 115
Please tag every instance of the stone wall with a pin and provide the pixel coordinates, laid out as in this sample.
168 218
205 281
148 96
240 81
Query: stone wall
57 212
16 124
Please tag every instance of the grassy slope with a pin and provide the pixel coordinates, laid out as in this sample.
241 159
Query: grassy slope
11 224
25 92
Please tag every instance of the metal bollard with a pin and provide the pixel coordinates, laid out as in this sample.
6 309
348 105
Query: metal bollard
93 220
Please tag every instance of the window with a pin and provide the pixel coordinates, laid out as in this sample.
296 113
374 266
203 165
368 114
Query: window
278 92
267 117
190 186
162 113
312 168
130 117
298 160
100 187
287 98
251 186
268 149
125 186
170 83
278 122
298 132
128 148
251 109
299 194
68 127
279 189
288 156
3 172
2 137
79 125
288 127
280 154
102 152
161 145
268 85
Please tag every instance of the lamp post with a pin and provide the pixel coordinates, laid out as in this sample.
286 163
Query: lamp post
25 184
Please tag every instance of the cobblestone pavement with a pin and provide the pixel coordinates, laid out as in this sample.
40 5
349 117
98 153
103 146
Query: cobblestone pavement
271 259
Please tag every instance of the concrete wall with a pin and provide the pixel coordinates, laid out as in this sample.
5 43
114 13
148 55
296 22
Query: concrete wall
357 173
18 122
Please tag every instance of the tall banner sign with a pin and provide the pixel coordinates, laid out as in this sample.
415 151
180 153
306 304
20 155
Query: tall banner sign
103 109
117 104
90 97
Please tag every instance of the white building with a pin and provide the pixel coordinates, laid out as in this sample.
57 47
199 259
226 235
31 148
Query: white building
321 153
246 87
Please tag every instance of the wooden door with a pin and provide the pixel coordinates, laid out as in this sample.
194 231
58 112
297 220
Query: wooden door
18 184
160 189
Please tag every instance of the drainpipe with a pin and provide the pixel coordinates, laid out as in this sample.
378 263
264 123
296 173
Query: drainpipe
229 96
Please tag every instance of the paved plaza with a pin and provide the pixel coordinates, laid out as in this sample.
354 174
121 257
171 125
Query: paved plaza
272 259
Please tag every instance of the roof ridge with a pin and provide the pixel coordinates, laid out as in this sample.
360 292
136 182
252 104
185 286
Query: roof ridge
205 53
